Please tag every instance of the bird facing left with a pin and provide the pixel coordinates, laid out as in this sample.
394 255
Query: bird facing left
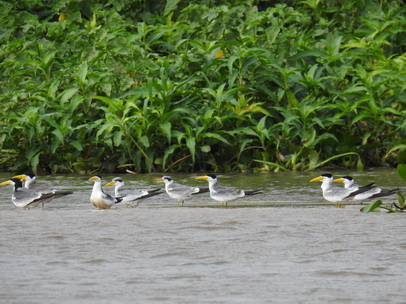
99 198
30 179
27 198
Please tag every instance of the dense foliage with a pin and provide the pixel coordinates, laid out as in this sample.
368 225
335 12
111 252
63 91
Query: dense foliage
202 85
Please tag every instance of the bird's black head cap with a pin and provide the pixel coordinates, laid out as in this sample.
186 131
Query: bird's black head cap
212 176
30 174
327 175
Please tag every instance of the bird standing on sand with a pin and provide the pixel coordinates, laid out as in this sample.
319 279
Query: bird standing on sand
179 192
99 198
30 179
27 198
128 195
225 194
336 194
375 192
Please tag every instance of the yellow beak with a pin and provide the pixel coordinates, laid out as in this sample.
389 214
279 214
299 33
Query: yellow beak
339 180
320 178
158 180
110 184
21 177
6 183
93 178
202 177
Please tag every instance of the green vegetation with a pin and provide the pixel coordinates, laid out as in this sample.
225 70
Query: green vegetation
201 85
399 207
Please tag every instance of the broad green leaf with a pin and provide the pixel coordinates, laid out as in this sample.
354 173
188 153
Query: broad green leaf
49 57
191 144
53 88
168 152
261 123
309 140
313 159
245 131
145 141
170 6
395 148
402 171
117 138
76 144
113 102
230 63
361 117
82 72
166 128
312 70
34 161
372 207
68 93
51 121
217 136
59 136
74 103
401 200
360 164
105 128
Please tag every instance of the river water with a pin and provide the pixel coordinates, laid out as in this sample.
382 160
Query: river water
285 246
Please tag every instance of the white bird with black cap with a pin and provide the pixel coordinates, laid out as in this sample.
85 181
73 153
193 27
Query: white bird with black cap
336 194
99 198
129 195
30 179
225 194
375 192
28 198
179 192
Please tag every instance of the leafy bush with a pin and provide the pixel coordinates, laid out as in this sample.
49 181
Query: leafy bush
197 86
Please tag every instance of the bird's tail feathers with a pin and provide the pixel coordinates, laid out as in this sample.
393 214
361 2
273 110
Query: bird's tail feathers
118 199
63 192
154 190
384 193
252 192
152 193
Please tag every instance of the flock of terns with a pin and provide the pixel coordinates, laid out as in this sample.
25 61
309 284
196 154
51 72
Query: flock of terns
31 194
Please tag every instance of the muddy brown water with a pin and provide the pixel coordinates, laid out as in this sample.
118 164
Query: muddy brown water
284 246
